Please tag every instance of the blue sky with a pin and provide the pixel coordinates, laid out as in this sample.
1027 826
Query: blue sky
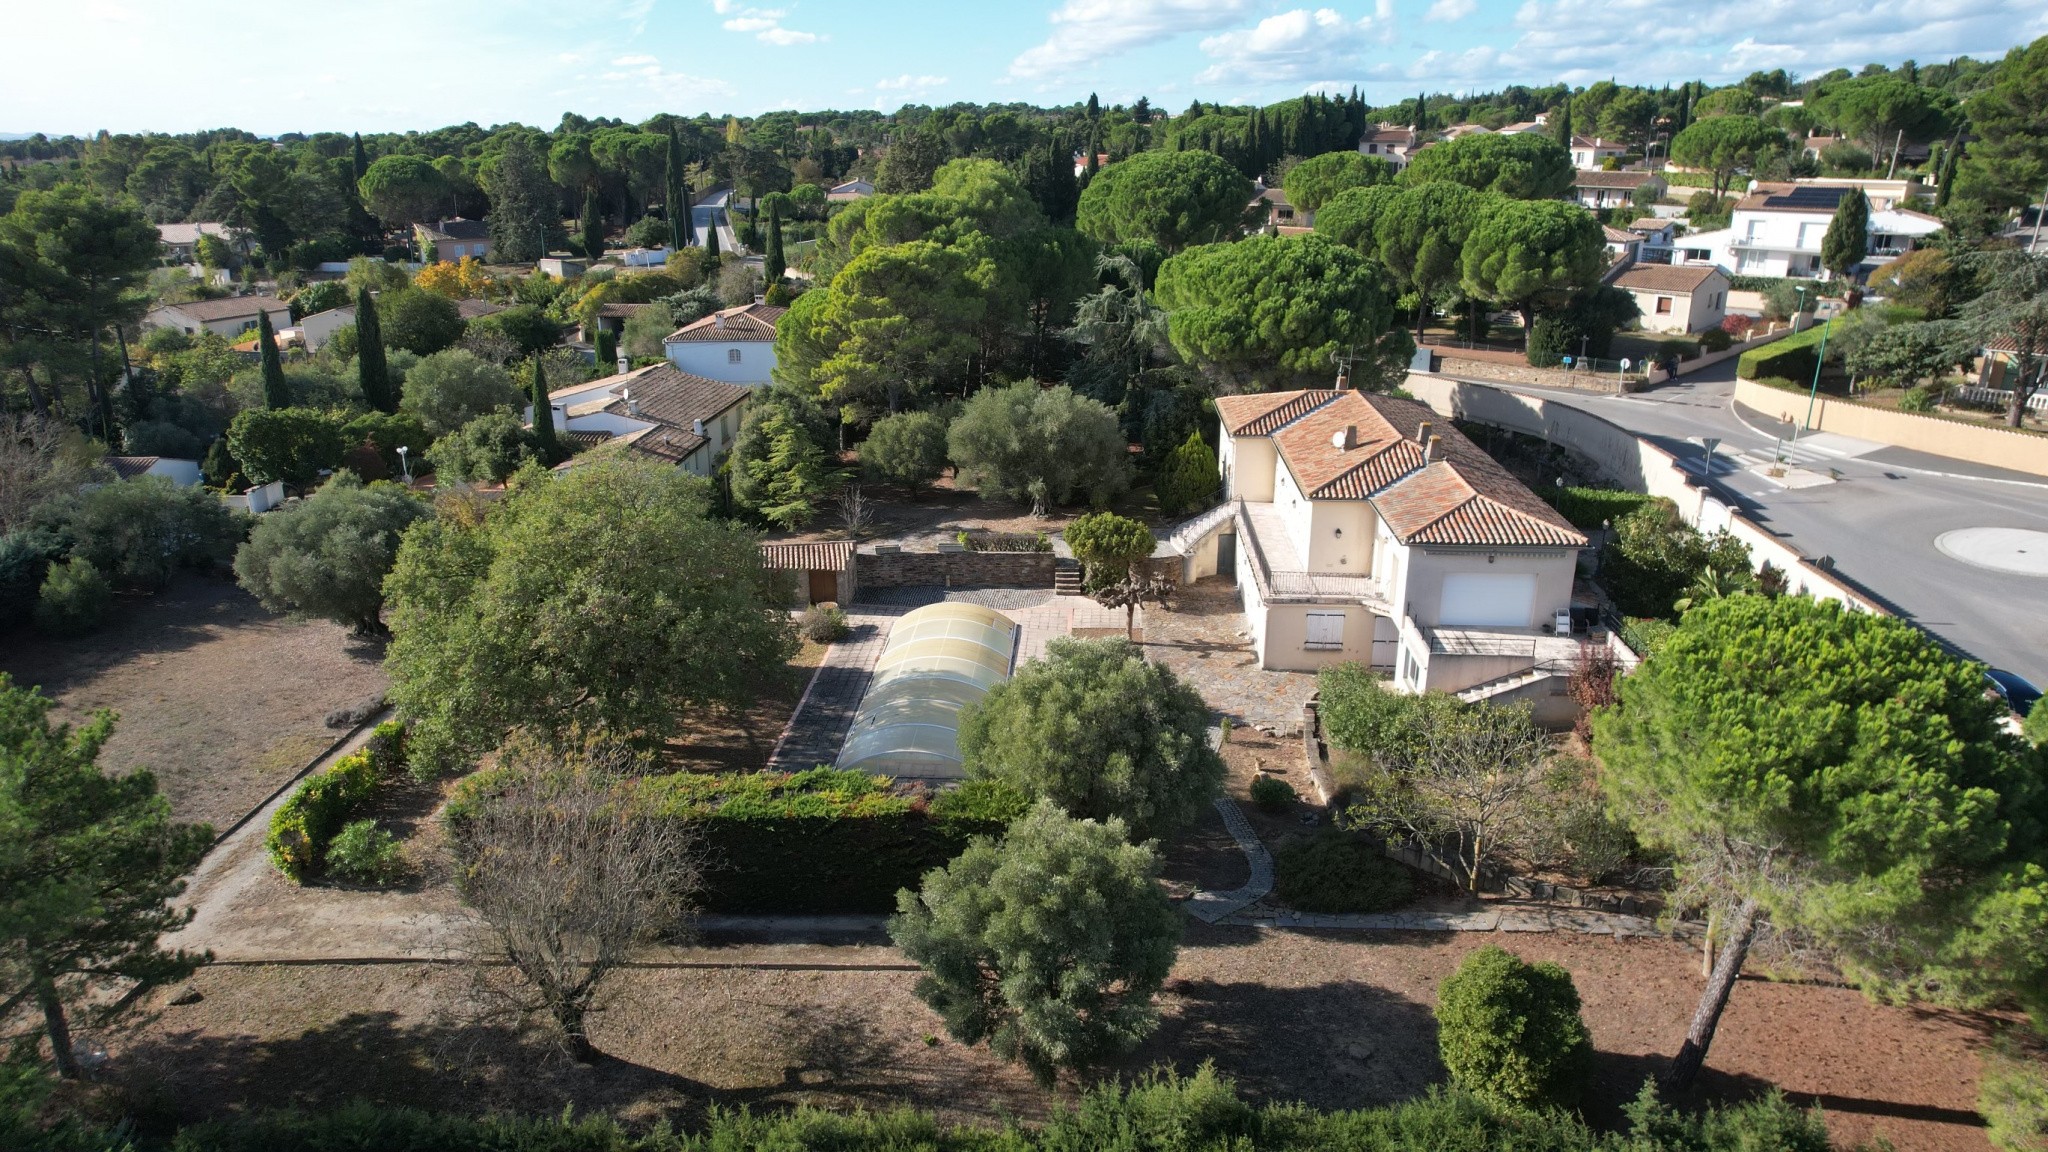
133 65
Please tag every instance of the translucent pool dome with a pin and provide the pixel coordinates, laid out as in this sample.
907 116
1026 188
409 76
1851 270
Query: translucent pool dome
939 659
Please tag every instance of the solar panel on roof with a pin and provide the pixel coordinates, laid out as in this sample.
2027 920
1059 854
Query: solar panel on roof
1807 198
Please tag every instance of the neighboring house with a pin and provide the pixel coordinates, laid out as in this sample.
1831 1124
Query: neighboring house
639 257
562 267
454 239
1815 145
659 412
229 317
1678 299
1591 152
612 317
317 329
1540 124
1081 162
183 473
181 241
1777 230
1363 527
1994 372
1623 248
736 345
1457 130
1613 189
1275 211
1882 194
1395 145
850 191
1657 236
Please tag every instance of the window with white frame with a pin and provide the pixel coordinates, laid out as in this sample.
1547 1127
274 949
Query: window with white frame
1325 630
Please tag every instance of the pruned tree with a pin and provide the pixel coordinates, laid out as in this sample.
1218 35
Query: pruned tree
1470 791
327 555
1048 944
569 880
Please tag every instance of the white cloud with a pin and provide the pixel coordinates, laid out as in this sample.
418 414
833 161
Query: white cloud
908 81
1295 46
633 61
1086 32
1450 11
764 23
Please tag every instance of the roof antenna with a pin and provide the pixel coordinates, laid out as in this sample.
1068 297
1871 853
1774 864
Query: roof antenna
1342 359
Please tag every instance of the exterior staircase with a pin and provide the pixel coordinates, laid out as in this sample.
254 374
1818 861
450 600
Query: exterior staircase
1066 577
1501 685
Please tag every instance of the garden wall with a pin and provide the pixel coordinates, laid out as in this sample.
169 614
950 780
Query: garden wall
1518 371
1997 447
954 569
1635 464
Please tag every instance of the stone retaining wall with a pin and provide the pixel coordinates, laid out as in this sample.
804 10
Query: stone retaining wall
954 569
1541 377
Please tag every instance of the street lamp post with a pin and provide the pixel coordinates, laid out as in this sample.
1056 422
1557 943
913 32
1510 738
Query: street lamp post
1819 358
404 465
1801 308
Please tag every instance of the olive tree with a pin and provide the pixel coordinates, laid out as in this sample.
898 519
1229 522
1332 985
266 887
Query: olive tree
449 389
1102 732
327 556
1048 944
1048 445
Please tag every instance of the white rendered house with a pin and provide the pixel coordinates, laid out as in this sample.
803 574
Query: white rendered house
1365 528
658 412
736 345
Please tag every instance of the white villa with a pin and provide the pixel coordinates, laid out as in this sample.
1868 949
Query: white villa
736 345
1777 230
1363 528
658 412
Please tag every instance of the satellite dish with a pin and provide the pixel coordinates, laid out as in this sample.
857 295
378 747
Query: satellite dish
1626 365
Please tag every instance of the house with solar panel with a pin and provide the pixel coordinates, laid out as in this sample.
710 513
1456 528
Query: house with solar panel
1777 229
1362 527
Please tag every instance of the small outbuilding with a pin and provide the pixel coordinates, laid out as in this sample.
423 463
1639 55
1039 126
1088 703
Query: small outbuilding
823 570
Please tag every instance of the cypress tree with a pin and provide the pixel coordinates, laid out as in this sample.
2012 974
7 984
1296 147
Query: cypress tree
362 159
1094 107
276 393
544 418
1946 177
1421 113
771 261
590 231
1563 128
711 236
371 371
676 200
1848 238
607 351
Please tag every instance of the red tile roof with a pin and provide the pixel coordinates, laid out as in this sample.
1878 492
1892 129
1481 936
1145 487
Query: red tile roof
1685 278
1460 497
820 556
746 322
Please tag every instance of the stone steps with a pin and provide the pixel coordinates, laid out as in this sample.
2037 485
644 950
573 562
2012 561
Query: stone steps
1066 578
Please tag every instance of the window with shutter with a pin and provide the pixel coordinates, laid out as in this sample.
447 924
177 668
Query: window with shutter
1325 630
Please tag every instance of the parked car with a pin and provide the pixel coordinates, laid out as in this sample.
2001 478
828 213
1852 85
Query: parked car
2017 692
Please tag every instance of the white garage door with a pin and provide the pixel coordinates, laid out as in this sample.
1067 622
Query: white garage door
1488 599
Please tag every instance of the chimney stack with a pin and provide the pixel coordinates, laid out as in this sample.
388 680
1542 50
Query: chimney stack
697 427
625 365
1350 436
1429 448
1422 433
632 405
1343 377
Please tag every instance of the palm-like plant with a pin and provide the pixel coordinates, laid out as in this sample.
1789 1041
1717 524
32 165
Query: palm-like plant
1712 583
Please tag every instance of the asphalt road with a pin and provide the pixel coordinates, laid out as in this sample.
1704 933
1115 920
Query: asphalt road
712 208
1879 522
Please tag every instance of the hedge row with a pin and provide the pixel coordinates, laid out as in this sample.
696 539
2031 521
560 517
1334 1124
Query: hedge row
820 841
1792 358
1645 634
1159 1113
308 821
1588 507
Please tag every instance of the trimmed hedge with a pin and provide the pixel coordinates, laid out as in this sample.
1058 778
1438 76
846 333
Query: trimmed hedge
1510 1033
1792 358
1587 507
309 820
825 840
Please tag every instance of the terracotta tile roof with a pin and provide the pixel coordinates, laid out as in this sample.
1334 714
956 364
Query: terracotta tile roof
129 467
1617 236
1260 413
602 382
1668 277
824 555
1391 136
1649 224
584 440
746 322
618 311
663 443
665 394
458 229
1461 497
1629 180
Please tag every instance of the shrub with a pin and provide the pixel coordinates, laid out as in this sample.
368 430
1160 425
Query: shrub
365 853
449 389
1272 794
138 531
1792 358
1588 507
1510 1031
1338 872
288 444
1716 340
1644 635
1049 445
1361 714
908 448
73 599
1920 399
327 555
484 451
1737 325
823 625
304 826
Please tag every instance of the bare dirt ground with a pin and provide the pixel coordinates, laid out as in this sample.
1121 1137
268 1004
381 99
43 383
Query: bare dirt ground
742 739
221 699
942 510
1334 1021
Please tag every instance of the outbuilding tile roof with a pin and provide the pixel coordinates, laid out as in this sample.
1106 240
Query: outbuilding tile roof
817 556
230 307
1685 278
129 467
746 322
